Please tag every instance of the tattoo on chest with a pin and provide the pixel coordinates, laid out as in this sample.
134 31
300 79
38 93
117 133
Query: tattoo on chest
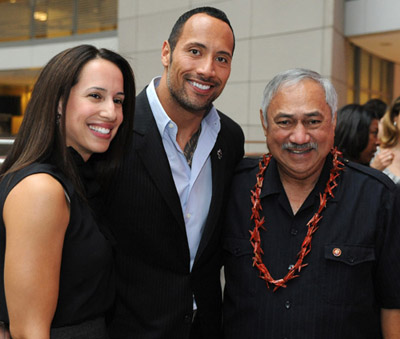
190 147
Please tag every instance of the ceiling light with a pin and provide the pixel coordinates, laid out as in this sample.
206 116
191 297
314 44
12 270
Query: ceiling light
40 16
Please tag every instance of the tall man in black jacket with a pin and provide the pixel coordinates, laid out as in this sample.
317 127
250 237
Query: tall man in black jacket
166 207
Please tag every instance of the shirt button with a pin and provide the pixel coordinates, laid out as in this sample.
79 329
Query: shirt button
170 125
294 231
287 304
188 215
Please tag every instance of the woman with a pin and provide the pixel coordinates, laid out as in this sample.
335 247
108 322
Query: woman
56 280
356 133
388 157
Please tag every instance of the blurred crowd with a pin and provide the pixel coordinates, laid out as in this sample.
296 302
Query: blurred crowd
369 134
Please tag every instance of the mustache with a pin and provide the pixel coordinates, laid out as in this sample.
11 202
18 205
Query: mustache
302 147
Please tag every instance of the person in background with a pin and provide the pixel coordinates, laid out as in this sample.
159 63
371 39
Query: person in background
376 105
56 265
311 240
384 157
166 205
356 133
388 156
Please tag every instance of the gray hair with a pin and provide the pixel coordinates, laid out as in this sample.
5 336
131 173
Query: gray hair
293 76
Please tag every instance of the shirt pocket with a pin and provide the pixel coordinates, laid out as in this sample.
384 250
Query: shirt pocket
240 275
348 276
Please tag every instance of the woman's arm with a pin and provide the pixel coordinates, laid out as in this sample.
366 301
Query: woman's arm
36 216
390 323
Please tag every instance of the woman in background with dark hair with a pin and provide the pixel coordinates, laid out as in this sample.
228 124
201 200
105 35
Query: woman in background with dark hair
55 263
376 105
388 158
356 133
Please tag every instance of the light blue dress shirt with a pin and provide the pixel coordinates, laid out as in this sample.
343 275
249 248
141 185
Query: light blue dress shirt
194 185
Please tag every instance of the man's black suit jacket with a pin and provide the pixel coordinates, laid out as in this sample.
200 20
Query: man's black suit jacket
155 287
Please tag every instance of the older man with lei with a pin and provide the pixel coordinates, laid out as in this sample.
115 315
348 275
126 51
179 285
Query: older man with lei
311 241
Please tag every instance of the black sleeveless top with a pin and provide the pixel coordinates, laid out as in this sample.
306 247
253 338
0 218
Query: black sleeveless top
86 280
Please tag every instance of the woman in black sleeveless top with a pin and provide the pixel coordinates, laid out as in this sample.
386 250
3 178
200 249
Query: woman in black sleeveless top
55 263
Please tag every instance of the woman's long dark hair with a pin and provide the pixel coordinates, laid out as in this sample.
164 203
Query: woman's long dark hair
352 130
41 138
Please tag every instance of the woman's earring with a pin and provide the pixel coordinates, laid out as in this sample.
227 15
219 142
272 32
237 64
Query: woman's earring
395 123
58 117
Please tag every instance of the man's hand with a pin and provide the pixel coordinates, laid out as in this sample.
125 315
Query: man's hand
4 334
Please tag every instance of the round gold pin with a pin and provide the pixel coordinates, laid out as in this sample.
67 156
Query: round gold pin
337 252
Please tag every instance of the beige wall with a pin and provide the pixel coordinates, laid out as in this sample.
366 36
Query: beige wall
271 36
396 84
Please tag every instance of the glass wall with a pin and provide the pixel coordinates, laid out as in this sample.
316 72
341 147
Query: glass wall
37 19
368 77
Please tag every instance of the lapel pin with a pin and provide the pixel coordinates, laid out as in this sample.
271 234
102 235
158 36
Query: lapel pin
219 154
337 252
